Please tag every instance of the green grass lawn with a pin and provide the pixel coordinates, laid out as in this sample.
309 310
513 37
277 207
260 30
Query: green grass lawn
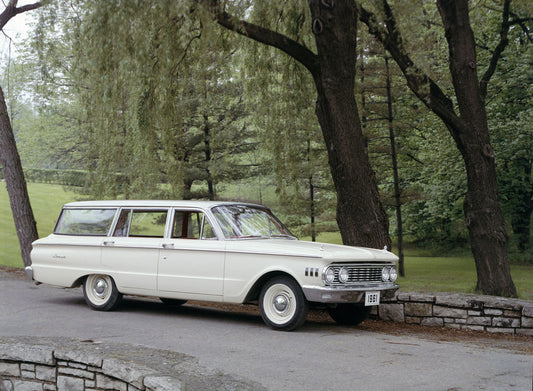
46 201
456 274
423 273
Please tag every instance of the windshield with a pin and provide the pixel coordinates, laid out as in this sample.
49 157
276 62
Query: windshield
245 221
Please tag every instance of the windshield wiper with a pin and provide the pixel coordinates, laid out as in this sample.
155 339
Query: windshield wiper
283 236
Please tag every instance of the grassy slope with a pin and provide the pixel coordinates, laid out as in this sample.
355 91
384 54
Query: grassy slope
46 203
423 273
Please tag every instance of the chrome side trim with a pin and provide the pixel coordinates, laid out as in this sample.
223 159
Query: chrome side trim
250 252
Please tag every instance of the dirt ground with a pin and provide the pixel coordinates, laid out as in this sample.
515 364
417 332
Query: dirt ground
490 340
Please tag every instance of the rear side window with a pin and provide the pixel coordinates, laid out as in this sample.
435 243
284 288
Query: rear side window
141 223
148 223
85 222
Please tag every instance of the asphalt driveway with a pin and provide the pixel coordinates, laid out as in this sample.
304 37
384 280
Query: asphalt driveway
237 345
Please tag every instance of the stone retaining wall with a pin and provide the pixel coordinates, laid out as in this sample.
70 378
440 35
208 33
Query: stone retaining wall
40 368
460 311
65 364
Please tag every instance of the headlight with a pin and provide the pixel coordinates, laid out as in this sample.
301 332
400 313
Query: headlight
393 274
329 275
389 273
343 275
385 273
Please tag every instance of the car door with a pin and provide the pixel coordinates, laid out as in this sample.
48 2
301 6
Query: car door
132 253
191 260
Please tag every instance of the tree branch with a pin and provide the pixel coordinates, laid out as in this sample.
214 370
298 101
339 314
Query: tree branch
483 83
521 22
12 11
419 82
260 34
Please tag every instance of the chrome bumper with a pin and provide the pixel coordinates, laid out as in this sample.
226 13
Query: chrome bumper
343 294
29 272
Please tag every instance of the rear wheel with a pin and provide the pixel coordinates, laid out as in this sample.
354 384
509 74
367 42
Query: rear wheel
349 313
101 293
282 304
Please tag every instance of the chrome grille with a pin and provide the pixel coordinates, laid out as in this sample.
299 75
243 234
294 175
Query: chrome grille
359 273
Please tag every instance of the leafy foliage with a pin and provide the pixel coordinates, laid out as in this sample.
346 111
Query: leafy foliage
155 92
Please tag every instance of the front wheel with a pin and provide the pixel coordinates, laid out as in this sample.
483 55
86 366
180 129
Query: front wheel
282 304
349 313
101 293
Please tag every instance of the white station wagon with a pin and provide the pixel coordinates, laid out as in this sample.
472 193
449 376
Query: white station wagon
210 251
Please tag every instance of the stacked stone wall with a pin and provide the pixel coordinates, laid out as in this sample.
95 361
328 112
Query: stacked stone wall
65 364
39 368
460 311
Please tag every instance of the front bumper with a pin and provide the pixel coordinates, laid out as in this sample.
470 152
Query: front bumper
346 294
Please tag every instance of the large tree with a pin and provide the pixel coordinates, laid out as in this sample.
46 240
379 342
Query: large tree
9 157
360 215
469 129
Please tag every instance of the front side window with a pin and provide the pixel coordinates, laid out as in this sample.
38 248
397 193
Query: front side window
94 222
246 221
191 225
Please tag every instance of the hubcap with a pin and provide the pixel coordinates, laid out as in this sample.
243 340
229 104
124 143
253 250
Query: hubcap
281 302
100 288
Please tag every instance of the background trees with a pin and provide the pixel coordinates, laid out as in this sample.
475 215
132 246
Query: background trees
155 100
10 159
468 128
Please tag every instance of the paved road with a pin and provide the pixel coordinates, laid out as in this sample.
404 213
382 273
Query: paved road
320 356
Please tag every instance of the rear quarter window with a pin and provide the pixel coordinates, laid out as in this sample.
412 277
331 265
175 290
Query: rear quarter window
85 222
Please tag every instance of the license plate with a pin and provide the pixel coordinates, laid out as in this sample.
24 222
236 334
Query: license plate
371 298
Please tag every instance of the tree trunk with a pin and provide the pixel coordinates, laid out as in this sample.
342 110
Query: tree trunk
312 207
16 185
395 173
484 217
522 201
207 153
360 215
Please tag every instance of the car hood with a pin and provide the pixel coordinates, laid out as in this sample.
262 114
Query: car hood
299 248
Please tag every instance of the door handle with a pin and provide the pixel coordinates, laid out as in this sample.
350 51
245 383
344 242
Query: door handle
109 243
168 245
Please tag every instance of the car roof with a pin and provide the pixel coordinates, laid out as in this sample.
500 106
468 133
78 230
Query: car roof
154 203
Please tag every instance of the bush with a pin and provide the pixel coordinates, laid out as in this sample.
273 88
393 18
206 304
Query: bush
76 178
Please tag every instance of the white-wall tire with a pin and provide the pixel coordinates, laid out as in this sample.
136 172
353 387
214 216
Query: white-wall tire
282 303
101 293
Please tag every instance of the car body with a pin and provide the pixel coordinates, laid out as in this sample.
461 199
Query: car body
227 252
